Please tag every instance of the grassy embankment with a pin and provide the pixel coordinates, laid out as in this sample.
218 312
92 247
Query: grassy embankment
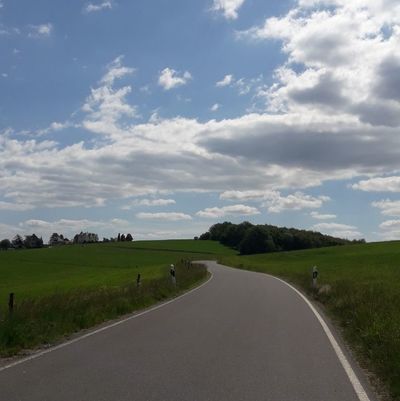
364 297
62 290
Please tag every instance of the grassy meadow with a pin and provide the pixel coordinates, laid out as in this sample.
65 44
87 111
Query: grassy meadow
64 289
38 272
362 293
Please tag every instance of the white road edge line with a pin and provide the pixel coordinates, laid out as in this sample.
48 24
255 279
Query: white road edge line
92 333
358 388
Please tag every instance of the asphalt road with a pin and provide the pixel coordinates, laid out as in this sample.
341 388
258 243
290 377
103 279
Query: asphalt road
243 336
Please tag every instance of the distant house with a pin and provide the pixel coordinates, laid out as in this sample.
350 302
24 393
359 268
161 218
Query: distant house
85 238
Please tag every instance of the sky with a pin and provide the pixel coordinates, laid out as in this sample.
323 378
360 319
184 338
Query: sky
161 118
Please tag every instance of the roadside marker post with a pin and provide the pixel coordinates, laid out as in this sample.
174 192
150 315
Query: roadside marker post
173 275
314 276
11 303
138 282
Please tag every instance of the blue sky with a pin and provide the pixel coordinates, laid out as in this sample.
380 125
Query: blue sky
161 118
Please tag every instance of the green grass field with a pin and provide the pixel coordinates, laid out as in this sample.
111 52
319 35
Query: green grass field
364 296
61 290
39 272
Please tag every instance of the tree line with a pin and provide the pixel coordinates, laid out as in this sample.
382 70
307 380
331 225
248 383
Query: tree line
33 241
263 238
29 242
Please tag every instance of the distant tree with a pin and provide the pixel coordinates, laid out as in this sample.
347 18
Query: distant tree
122 237
119 237
254 241
129 237
17 242
54 239
5 244
206 236
196 238
33 241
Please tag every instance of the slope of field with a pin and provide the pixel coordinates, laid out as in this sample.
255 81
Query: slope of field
360 287
61 290
38 272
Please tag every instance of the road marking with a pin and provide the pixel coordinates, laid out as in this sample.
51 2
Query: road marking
92 333
358 388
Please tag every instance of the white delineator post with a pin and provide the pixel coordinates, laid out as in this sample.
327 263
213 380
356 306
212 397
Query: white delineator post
173 276
314 276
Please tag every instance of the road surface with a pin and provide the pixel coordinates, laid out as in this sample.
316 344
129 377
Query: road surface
242 336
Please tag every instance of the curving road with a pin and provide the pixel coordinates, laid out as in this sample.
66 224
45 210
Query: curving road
242 336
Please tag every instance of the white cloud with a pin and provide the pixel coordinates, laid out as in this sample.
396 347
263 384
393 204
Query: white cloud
55 127
250 195
234 210
226 81
20 207
338 230
116 70
390 230
89 8
349 57
380 184
229 8
215 107
319 216
40 31
255 152
170 78
164 216
297 201
275 202
390 225
388 207
149 203
106 106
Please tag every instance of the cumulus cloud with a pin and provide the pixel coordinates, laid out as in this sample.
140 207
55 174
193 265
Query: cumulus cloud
319 216
226 81
106 106
164 216
338 230
170 78
379 184
40 31
249 157
234 210
215 107
297 201
90 8
349 58
388 207
149 203
250 195
229 8
20 207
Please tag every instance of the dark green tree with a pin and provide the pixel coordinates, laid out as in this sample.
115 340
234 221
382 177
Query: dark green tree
17 242
5 244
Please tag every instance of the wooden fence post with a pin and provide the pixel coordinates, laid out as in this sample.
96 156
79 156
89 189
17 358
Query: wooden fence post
11 303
